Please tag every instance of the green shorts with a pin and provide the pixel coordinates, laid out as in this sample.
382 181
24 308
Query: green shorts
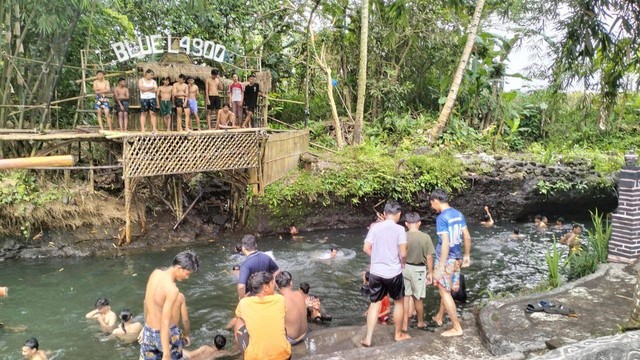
415 281
165 107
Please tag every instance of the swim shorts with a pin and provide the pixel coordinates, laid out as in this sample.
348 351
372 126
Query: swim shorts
179 102
250 107
380 287
214 103
243 338
165 107
415 281
148 105
450 279
151 345
125 103
193 105
102 102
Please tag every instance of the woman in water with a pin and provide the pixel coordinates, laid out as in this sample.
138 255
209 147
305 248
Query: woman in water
128 330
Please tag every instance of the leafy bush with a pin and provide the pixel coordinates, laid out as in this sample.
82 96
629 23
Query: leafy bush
17 187
599 236
553 257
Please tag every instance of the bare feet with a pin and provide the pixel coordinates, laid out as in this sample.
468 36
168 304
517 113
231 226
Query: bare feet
438 322
364 343
452 332
402 336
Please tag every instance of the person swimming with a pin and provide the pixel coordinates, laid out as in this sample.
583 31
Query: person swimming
31 350
209 352
515 235
103 313
333 252
128 330
315 312
235 270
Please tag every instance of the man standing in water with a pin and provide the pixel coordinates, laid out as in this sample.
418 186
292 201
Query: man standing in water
296 309
386 243
451 228
416 275
103 313
158 343
256 261
31 350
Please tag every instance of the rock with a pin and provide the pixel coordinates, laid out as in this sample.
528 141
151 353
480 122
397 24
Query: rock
424 150
558 342
219 219
622 346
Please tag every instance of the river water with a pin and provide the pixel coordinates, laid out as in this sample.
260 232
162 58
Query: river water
51 296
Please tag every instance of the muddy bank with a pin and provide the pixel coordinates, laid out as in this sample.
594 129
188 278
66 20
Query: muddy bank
515 190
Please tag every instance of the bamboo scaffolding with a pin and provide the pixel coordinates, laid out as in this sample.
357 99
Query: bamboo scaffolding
30 162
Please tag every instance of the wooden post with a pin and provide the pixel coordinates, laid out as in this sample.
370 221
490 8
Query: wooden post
177 195
253 181
127 210
91 177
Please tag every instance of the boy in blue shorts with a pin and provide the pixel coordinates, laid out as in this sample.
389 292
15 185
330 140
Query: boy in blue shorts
451 228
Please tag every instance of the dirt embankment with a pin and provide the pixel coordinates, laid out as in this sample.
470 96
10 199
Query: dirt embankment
90 224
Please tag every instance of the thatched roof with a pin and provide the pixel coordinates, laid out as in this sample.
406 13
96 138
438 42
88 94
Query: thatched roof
173 70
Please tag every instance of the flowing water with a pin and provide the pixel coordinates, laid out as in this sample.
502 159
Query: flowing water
50 297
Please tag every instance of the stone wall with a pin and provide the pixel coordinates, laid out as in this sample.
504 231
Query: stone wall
624 245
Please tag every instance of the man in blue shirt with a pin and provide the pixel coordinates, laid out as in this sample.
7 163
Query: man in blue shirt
255 262
451 228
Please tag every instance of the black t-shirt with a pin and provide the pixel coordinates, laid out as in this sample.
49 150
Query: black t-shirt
251 95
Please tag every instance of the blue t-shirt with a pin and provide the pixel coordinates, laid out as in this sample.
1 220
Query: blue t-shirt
254 263
451 222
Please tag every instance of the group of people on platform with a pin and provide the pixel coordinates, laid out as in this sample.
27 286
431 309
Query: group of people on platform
180 98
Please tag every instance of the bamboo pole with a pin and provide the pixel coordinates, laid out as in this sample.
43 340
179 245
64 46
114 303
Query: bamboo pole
188 209
30 162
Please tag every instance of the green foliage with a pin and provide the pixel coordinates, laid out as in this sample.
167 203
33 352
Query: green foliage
553 257
20 187
599 236
367 171
582 263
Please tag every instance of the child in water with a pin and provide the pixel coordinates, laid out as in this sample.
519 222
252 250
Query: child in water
127 330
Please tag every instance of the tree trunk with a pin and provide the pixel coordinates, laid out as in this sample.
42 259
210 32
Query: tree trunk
362 74
307 75
322 62
634 318
437 130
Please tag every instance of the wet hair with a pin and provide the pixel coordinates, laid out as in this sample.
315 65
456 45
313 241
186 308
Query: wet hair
187 260
538 217
412 218
235 267
239 247
440 195
516 231
576 226
560 219
215 72
183 77
102 302
121 79
258 280
283 279
249 242
333 247
149 71
32 343
486 217
219 341
125 315
304 286
99 72
392 207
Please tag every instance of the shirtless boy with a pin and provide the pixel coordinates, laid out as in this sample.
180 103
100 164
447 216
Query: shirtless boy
295 317
211 95
164 94
30 350
180 90
121 97
148 88
206 352
192 101
226 119
101 87
103 313
161 341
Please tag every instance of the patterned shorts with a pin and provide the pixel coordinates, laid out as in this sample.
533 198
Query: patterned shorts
151 345
450 279
148 105
102 102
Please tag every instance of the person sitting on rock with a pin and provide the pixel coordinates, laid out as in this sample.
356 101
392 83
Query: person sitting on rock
385 310
487 219
103 313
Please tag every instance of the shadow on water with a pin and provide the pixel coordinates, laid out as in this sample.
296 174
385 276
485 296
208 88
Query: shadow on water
51 296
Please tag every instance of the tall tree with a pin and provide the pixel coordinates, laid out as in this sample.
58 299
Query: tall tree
436 131
362 74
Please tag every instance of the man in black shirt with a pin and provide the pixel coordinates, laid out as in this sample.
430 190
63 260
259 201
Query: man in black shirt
251 92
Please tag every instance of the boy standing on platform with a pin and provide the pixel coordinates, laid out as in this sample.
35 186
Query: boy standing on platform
212 96
192 101
101 87
121 96
251 92
180 91
148 88
236 92
165 94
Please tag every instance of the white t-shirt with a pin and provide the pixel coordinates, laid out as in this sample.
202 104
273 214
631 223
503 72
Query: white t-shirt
385 238
148 95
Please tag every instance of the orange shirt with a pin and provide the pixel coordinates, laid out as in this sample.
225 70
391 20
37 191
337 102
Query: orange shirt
264 319
386 304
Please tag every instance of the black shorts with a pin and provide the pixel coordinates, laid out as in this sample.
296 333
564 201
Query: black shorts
379 287
125 103
214 103
148 105
178 102
250 107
